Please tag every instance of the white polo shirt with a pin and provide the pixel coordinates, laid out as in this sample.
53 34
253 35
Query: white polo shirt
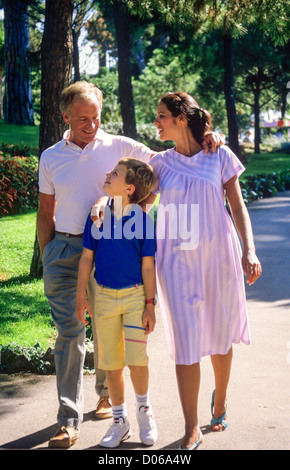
75 176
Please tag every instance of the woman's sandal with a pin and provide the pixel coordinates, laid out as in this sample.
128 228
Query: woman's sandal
196 444
220 420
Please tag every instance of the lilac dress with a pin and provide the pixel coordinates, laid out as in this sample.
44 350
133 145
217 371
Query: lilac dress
199 274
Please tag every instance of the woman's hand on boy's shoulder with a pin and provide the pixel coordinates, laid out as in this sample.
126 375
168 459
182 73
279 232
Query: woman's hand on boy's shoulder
212 140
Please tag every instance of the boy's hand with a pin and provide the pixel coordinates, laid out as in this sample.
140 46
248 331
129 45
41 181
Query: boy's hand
149 320
81 307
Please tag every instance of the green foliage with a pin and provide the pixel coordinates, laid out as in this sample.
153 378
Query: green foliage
272 16
163 73
7 194
16 150
107 81
146 133
205 55
261 69
264 185
21 358
18 182
191 65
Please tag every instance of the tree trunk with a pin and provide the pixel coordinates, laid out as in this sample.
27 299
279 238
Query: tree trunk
56 70
284 100
138 53
233 128
57 46
257 118
121 21
1 94
76 56
18 107
102 56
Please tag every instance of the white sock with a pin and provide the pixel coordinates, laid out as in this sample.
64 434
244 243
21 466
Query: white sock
120 410
142 401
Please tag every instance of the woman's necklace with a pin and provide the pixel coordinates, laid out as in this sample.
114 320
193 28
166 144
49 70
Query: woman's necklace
188 146
188 153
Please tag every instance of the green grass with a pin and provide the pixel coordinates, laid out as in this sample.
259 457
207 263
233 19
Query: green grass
16 135
24 311
17 234
266 163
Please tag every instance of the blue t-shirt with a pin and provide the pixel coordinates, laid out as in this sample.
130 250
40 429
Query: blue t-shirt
119 247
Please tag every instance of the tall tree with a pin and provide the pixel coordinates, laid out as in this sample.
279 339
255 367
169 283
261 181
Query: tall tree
232 17
81 8
262 73
233 128
100 31
122 21
57 46
56 69
18 107
1 67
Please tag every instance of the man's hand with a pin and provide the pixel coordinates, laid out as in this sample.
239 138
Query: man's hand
212 140
45 220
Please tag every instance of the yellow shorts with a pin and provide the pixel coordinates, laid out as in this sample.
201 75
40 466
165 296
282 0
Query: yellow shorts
121 335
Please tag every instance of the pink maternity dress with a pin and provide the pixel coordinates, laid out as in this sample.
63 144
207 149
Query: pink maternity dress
199 274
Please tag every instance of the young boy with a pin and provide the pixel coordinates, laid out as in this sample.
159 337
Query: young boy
123 250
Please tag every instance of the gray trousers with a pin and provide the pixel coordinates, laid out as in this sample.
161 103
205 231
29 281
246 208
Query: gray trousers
60 270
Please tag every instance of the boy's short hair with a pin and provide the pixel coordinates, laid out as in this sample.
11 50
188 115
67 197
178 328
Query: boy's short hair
82 89
141 175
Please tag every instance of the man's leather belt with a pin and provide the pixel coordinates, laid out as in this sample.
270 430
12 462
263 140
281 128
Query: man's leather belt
69 235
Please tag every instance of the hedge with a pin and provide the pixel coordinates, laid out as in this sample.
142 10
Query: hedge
264 185
18 180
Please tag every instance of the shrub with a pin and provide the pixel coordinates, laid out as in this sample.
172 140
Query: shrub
15 150
264 185
18 184
7 194
15 358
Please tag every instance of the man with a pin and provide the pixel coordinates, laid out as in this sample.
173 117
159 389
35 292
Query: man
71 175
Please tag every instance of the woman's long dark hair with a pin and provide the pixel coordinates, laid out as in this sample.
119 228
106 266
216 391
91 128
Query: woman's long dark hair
199 120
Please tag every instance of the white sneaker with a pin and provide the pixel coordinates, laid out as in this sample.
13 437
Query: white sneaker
147 426
117 433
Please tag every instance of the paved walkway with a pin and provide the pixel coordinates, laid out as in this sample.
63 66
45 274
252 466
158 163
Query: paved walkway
259 391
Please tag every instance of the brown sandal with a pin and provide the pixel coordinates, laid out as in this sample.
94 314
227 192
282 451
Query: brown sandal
65 437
